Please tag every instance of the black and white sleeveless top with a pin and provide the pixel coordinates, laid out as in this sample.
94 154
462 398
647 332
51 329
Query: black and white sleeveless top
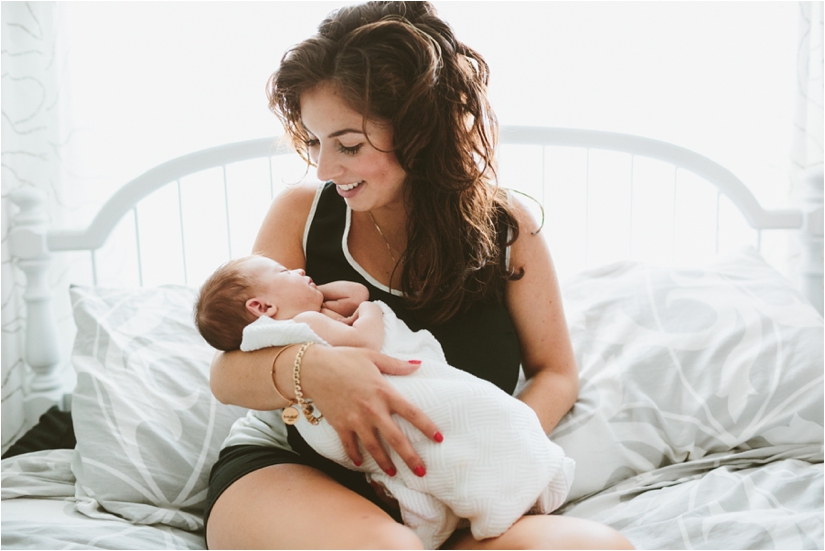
481 340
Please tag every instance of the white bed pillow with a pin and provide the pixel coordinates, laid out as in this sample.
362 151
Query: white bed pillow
677 364
148 428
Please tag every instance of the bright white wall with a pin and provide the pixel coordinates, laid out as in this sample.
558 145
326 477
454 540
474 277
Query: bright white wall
715 77
148 81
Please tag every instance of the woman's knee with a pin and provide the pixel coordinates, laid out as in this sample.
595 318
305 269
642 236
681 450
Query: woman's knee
389 535
585 535
557 532
600 536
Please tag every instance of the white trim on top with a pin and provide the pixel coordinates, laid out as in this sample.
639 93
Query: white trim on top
357 267
509 196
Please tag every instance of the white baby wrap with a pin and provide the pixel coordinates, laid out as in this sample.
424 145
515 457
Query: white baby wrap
494 465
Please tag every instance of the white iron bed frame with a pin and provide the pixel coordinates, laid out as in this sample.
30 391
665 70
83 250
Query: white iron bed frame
32 241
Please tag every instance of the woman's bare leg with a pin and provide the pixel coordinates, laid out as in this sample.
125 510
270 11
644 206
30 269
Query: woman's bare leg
297 507
546 532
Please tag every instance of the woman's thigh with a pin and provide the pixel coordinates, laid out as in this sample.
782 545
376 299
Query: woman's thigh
291 506
546 532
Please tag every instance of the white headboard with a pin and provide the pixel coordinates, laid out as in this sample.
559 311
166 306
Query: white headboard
32 241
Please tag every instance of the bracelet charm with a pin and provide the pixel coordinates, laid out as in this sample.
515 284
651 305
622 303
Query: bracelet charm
290 415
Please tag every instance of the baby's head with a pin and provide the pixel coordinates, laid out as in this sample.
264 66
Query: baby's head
242 290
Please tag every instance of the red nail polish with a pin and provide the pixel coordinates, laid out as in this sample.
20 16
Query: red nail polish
438 438
419 471
415 362
391 471
357 463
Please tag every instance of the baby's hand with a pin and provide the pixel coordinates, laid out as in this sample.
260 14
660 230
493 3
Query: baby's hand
365 327
369 309
343 297
348 320
368 319
351 319
330 313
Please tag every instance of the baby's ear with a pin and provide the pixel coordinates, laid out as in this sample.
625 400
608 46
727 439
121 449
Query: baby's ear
260 308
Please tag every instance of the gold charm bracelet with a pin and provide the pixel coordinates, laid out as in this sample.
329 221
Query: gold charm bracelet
290 412
305 405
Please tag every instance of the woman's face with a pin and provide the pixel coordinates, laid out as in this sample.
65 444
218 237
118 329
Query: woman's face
367 177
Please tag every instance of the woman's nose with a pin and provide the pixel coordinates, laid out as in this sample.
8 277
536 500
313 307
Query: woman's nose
327 168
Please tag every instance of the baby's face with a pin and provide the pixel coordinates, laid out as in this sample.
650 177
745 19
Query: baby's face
289 291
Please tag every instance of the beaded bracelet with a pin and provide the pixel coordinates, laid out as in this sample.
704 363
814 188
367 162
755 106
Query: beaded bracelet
299 394
289 413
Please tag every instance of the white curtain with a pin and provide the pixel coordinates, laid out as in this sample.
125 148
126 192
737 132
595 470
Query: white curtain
807 146
807 140
32 141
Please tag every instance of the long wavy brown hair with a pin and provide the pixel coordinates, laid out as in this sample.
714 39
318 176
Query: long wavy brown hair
398 62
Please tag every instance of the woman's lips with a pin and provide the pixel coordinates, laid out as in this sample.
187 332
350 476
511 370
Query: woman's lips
348 190
348 187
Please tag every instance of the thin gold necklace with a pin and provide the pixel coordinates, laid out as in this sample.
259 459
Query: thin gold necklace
384 237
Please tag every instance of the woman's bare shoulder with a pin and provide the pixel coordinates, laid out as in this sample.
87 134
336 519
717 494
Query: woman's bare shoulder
295 200
282 231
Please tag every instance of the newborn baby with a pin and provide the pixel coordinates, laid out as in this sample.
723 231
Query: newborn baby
495 463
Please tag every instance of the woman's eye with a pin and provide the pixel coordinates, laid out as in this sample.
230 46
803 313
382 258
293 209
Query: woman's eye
311 142
349 150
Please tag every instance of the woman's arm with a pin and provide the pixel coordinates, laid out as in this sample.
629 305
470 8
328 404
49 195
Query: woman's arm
534 302
244 378
345 383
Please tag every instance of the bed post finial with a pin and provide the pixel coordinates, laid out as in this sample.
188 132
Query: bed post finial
811 235
27 243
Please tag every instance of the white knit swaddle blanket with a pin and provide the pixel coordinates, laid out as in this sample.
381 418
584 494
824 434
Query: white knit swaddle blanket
494 465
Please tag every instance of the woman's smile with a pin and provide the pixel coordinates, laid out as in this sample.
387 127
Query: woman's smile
349 190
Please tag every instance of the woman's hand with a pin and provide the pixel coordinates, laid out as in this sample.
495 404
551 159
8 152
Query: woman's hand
346 385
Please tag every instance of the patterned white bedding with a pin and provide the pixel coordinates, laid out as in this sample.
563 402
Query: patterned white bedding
745 503
40 512
699 423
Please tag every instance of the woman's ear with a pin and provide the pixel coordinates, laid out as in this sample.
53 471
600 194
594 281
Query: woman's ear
260 308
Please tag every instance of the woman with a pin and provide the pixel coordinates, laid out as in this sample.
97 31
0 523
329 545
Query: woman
392 110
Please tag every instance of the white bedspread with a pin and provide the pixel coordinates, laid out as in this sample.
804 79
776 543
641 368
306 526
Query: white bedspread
40 511
494 465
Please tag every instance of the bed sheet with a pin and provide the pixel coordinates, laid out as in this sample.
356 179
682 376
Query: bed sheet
759 499
769 498
39 511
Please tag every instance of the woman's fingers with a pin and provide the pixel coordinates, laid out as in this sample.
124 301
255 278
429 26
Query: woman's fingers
373 446
359 403
393 366
350 443
396 439
378 432
416 418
